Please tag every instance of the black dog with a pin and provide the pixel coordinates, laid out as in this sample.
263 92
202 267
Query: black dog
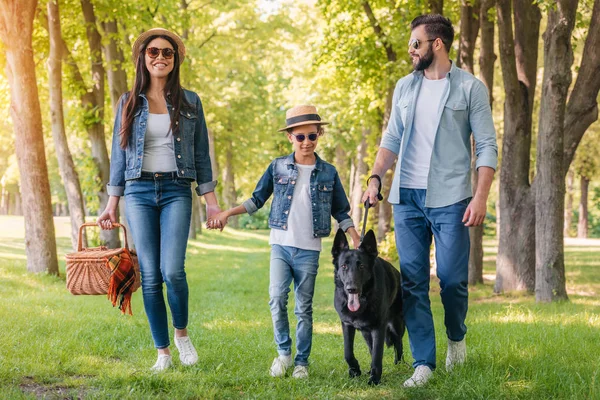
368 297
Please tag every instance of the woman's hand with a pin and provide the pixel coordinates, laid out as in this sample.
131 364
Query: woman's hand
109 215
218 221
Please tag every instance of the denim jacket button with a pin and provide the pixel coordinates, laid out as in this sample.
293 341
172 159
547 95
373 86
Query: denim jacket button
284 227
285 212
289 197
293 182
179 139
182 172
178 155
176 122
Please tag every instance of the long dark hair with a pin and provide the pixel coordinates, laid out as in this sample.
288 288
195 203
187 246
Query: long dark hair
173 91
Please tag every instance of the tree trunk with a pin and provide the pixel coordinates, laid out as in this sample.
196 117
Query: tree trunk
469 29
550 181
515 266
582 224
385 214
229 194
582 108
436 6
94 108
569 204
357 187
16 26
117 77
66 165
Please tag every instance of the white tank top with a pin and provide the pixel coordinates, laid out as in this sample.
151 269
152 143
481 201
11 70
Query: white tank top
159 154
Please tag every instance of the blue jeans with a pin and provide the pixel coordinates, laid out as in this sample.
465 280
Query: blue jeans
414 226
287 264
159 213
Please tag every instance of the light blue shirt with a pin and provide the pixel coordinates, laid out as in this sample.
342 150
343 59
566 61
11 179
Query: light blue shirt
464 109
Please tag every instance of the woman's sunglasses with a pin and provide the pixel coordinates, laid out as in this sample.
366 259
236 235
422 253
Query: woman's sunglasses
301 137
416 43
153 52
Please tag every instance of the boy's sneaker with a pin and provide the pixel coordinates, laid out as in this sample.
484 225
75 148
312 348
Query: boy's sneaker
187 352
280 365
457 354
163 362
300 372
422 374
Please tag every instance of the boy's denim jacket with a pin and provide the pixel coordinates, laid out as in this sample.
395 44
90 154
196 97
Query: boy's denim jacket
190 145
326 192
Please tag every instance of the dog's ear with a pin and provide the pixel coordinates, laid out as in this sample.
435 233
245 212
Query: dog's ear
339 243
369 244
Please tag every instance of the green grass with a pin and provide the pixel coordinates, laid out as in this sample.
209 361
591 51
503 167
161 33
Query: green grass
56 345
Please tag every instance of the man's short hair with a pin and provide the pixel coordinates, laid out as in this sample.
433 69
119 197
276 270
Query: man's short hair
436 26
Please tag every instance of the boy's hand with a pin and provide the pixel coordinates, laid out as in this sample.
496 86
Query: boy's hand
218 221
355 237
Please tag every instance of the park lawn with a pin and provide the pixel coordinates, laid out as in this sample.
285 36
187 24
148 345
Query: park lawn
57 345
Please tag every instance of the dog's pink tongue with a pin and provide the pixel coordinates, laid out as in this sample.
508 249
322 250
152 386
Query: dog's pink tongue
353 303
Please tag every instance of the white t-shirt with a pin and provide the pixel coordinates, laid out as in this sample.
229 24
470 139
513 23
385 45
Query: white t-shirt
299 231
417 157
159 154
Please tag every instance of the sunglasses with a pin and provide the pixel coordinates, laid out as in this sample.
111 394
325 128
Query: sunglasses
301 137
416 43
153 52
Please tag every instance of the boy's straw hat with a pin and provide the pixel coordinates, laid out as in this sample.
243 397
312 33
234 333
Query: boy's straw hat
302 115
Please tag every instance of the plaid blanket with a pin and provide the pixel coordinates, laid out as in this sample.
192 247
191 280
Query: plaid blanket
122 278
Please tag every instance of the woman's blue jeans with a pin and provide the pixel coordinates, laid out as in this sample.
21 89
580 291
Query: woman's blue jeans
293 264
159 212
415 225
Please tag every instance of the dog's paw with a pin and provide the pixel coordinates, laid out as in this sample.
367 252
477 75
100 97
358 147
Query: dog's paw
354 372
374 381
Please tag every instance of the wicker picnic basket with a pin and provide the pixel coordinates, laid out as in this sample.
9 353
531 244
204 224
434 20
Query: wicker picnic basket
87 269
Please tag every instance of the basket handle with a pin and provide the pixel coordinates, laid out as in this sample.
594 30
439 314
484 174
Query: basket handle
80 238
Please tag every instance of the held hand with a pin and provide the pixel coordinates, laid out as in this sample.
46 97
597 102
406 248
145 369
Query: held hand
371 193
355 238
475 212
107 218
217 221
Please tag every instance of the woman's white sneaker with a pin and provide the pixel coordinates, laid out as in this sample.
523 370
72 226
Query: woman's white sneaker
187 352
163 362
422 374
280 365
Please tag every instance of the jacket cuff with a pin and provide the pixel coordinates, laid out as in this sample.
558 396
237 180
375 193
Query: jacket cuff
346 224
118 191
486 161
207 187
250 206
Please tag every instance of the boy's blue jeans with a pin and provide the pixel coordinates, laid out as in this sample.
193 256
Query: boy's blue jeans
287 264
159 213
415 225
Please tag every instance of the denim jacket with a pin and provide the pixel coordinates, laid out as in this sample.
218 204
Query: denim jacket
464 108
326 191
190 146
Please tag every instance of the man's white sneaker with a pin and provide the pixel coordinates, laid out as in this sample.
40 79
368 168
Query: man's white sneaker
280 365
300 372
422 374
457 354
187 352
163 362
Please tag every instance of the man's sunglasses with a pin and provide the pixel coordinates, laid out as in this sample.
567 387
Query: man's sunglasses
153 52
416 43
301 137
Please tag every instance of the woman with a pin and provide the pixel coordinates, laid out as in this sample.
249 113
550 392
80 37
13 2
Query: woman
160 145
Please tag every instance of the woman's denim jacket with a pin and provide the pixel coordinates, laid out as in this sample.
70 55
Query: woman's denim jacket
190 145
326 192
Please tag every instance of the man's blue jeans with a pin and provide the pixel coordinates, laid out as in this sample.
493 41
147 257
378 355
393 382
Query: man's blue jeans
159 213
287 264
414 226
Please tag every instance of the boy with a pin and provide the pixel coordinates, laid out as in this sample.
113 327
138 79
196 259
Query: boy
307 193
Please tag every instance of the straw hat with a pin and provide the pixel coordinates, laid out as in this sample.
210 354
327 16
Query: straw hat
302 115
157 32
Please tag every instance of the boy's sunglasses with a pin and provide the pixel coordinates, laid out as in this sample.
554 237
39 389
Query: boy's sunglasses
153 52
416 43
301 137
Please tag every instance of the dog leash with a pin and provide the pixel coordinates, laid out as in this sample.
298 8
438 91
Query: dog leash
368 205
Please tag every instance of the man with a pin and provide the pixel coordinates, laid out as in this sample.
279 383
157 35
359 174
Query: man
435 109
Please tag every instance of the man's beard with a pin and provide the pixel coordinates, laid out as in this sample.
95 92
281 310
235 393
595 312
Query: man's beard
425 61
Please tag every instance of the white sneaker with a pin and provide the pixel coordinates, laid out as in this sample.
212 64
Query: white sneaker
457 354
163 362
422 374
280 364
300 372
187 352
